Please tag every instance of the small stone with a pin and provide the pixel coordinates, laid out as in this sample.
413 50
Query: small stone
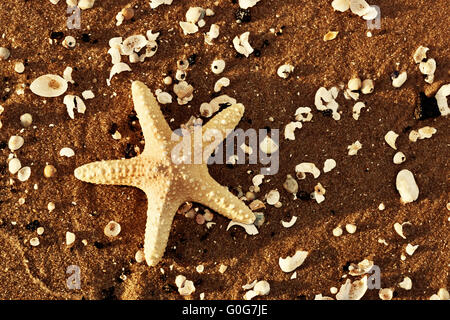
139 256
200 219
49 171
351 228
273 197
337 232
112 229
26 119
4 53
14 165
167 80
24 174
381 206
223 268
354 84
19 67
127 13
66 152
34 241
15 143
407 186
50 206
70 238
330 35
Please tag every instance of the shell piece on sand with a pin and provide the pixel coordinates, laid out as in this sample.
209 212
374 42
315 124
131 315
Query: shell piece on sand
407 186
49 86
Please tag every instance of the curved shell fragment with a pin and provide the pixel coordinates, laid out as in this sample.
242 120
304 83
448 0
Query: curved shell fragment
289 264
49 86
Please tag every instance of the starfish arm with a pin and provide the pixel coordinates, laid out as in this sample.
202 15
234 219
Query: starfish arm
118 172
155 128
221 125
210 193
160 213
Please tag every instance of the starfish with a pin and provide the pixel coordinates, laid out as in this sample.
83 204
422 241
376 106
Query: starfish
167 184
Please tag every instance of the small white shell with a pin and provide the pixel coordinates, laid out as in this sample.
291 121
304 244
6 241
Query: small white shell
290 128
289 264
308 167
390 139
341 5
406 283
49 86
398 81
284 70
399 157
24 174
352 291
133 44
249 228
290 223
420 54
112 229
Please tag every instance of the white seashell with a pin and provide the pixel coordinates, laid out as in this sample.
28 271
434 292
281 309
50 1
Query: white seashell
357 109
268 146
406 283
242 45
428 67
15 143
66 152
249 228
407 186
400 79
390 139
118 68
441 98
290 223
245 4
359 7
329 165
308 167
341 5
133 44
115 55
218 66
289 264
194 14
73 102
14 165
49 86
352 291
420 54
188 27
284 70
222 82
262 288
290 128
86 4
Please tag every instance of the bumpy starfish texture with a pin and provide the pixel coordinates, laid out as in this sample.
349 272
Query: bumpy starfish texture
166 183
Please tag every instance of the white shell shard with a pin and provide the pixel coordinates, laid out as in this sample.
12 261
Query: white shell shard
115 55
49 86
67 74
371 13
249 285
242 45
86 4
441 98
359 7
420 54
15 143
249 295
133 44
428 67
352 291
188 27
245 4
361 268
66 152
354 148
406 283
272 197
156 3
289 264
73 102
308 167
212 34
327 96
390 139
290 223
290 128
268 146
262 288
329 165
14 165
398 81
399 228
222 82
399 157
321 297
407 186
118 68
410 249
249 228
357 109
303 114
284 70
386 294
341 5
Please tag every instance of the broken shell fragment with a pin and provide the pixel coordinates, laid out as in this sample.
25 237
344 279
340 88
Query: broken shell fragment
289 264
399 157
390 139
407 186
249 228
420 54
352 291
441 98
341 5
308 167
284 71
49 86
290 223
399 80
367 86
